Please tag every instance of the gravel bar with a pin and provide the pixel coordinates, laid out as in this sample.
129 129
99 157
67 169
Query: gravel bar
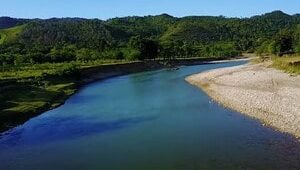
263 93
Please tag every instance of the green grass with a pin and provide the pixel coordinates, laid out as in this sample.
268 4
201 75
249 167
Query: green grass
10 34
37 70
289 64
23 100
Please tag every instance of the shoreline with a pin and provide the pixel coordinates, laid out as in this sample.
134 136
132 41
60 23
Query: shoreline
90 75
263 93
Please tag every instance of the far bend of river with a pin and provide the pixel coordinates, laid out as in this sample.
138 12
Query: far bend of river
146 121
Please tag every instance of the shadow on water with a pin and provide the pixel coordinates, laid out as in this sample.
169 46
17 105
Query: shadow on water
57 128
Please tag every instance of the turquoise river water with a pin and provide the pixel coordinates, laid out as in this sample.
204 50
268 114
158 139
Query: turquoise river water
146 121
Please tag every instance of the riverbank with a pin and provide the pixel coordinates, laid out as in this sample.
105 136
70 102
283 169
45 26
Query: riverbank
25 96
263 93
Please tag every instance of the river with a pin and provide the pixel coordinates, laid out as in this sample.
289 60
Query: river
146 121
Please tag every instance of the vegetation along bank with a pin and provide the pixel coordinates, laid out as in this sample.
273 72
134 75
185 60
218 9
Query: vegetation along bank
24 96
43 61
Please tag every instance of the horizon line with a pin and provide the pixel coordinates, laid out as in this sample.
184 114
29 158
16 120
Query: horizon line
125 16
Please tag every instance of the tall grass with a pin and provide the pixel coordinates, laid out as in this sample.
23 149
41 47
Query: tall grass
289 64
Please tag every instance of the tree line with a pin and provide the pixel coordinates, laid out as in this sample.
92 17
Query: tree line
141 38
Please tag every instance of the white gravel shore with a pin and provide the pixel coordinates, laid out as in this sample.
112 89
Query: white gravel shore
260 92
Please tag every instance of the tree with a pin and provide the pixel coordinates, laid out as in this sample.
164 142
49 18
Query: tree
83 54
149 49
284 41
297 39
119 55
135 42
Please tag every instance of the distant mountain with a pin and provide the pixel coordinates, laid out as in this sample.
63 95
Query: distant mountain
275 14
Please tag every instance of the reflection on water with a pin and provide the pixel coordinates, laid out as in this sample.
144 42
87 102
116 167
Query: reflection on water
151 121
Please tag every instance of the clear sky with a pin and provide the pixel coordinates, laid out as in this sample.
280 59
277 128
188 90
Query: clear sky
105 9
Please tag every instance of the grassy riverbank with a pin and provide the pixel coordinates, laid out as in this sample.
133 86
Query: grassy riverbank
27 91
23 101
289 64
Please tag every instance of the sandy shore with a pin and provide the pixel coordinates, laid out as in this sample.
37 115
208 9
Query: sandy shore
264 93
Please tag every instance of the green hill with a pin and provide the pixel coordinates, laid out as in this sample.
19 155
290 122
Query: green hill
70 39
10 34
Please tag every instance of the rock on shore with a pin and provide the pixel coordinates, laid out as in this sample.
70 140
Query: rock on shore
260 92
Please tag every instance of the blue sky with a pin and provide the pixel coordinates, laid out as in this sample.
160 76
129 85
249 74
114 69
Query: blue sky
105 9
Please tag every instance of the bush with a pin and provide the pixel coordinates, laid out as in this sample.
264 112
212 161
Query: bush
119 55
133 55
297 48
219 50
68 69
83 54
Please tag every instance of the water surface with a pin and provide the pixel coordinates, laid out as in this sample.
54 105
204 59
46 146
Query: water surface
146 121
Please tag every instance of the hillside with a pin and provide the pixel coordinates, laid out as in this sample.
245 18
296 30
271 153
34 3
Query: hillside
10 34
69 39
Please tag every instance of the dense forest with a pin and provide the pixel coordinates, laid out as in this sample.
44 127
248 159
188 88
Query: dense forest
33 41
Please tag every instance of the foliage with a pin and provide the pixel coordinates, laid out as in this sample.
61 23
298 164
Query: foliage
138 38
10 34
297 39
221 50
